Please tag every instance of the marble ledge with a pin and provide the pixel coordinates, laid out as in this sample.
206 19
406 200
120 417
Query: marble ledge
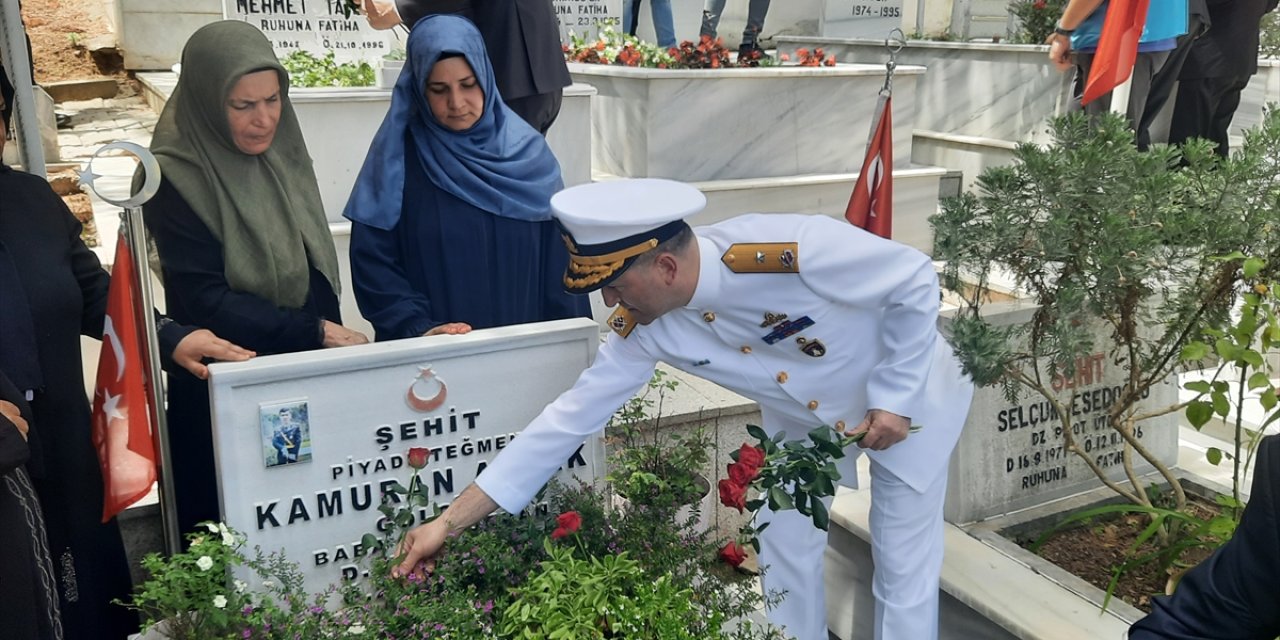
996 586
789 42
846 70
961 139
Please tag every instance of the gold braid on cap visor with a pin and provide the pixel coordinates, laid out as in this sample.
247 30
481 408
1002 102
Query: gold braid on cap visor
585 271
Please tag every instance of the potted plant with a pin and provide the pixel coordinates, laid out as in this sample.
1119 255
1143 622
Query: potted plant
389 68
659 467
1132 258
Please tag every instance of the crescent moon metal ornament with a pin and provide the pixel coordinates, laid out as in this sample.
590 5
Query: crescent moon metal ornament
429 404
150 173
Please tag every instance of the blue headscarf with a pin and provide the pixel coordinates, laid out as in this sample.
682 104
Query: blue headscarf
501 164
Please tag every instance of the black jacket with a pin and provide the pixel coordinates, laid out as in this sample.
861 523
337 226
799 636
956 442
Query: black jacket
1232 595
1230 48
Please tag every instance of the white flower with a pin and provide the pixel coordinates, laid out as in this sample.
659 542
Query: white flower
213 528
220 602
205 563
355 630
228 540
268 584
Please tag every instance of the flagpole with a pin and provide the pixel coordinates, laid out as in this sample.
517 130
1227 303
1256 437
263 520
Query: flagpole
131 219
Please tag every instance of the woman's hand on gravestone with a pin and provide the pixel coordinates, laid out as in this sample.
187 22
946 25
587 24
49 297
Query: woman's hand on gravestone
449 328
201 344
336 335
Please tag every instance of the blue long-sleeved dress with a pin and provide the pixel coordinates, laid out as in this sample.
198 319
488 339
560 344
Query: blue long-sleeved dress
449 261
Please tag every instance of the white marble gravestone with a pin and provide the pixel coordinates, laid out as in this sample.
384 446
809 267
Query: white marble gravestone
860 18
314 26
306 442
587 17
1011 455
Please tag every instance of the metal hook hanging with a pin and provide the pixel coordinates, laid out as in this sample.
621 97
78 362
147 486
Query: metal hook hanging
894 43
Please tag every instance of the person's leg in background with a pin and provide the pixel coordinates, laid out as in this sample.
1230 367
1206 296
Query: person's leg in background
711 18
663 23
756 12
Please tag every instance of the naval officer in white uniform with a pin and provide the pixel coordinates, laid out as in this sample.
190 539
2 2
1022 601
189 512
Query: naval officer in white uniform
816 320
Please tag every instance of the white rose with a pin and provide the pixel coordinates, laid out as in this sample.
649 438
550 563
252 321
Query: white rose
213 528
355 630
268 584
241 586
220 602
227 539
205 563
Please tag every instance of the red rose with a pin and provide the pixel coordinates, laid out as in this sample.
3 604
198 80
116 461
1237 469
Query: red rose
750 456
418 456
742 474
733 553
567 523
1039 5
733 495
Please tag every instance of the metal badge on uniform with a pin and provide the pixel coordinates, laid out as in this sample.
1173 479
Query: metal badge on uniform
621 322
787 329
762 257
771 318
812 347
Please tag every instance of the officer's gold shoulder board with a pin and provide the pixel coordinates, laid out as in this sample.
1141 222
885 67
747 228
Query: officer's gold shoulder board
621 322
763 257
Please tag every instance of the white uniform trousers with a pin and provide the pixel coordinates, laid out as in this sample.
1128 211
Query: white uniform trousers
906 534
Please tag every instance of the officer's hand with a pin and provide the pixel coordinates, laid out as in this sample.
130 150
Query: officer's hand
450 328
10 410
884 429
201 344
381 14
420 548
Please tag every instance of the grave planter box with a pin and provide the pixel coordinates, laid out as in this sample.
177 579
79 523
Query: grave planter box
991 588
998 91
723 124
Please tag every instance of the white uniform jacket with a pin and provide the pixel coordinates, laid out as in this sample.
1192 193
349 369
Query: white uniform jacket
870 304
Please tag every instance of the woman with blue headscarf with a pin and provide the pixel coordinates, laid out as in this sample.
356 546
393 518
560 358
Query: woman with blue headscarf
451 212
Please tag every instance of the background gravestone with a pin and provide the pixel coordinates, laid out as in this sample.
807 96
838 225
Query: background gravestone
1010 455
860 18
314 26
306 442
587 17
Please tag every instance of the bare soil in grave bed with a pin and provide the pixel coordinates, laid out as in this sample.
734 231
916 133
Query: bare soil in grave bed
62 32
1092 550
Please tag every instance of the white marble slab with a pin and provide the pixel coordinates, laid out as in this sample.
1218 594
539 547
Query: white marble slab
1000 91
985 593
1012 455
152 33
699 125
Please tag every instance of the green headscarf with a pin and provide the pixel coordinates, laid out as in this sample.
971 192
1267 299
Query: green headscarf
265 209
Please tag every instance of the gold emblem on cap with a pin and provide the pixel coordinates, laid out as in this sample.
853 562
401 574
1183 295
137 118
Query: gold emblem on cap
763 257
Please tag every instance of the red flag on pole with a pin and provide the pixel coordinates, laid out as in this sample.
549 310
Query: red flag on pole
1117 47
121 419
871 205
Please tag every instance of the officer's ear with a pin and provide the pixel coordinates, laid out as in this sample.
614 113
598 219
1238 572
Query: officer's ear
668 267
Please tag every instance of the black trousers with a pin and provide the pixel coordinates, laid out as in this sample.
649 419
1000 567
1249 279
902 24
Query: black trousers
1204 109
538 110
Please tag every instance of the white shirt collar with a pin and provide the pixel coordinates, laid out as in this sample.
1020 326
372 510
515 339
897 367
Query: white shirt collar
707 293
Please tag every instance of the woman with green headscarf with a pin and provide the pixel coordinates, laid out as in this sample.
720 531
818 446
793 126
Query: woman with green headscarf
244 245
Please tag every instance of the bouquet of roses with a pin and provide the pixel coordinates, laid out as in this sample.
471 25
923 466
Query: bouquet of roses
795 474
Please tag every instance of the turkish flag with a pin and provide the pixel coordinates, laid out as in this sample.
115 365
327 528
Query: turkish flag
121 416
871 205
1117 47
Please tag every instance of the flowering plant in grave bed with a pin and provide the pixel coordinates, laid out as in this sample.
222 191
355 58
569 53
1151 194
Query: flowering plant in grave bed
569 561
615 48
